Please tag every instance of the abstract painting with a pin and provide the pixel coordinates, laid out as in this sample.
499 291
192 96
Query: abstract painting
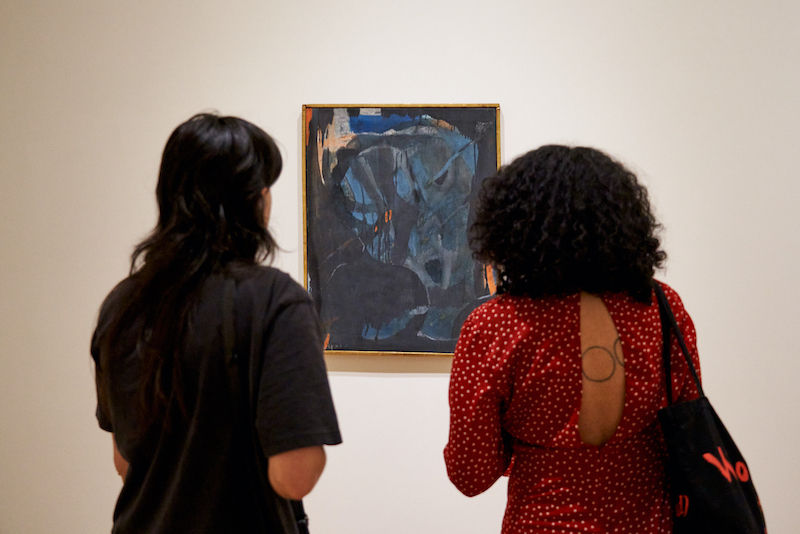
389 196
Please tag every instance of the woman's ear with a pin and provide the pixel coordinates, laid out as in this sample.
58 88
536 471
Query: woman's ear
267 197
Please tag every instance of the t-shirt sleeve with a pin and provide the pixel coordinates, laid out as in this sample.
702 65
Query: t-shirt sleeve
294 407
103 417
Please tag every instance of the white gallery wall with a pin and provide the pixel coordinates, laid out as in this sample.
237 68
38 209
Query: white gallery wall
699 97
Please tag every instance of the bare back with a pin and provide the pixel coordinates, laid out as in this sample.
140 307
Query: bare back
603 365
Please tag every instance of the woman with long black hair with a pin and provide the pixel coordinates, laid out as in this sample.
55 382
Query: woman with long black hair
189 452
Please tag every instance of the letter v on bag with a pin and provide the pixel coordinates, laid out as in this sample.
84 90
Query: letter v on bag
725 467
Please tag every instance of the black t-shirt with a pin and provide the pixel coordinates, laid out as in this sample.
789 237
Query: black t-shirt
197 476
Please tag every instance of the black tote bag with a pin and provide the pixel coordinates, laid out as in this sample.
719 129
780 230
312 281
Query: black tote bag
711 487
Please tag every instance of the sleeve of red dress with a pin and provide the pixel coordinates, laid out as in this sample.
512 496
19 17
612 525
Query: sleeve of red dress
683 386
688 389
475 454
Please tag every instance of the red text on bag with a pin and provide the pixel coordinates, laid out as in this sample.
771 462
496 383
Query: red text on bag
682 508
725 467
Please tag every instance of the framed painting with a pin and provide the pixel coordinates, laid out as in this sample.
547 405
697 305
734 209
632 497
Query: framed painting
389 195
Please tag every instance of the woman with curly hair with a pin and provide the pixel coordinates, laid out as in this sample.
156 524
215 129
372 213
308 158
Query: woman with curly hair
198 319
556 381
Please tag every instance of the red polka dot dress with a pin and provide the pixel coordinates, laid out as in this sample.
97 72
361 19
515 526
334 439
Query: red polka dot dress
515 394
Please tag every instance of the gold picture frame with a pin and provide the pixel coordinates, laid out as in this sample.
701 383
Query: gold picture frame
388 194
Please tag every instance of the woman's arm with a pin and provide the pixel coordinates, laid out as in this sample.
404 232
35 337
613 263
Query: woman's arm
119 462
477 452
294 473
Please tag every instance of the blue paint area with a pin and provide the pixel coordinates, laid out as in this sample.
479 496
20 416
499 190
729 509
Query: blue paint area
377 124
395 326
453 240
434 270
460 144
363 207
369 332
439 323
402 182
470 157
422 174
413 243
385 331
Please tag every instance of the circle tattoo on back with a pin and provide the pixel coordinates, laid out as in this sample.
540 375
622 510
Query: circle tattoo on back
602 357
618 352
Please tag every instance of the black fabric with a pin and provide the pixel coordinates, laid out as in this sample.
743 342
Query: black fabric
281 514
711 487
195 477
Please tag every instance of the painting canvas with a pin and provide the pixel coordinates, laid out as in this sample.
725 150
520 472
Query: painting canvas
389 196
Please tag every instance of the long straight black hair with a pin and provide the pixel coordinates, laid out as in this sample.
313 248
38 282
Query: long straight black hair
210 202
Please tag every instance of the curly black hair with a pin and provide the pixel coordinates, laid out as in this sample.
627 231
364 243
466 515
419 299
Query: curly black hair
560 219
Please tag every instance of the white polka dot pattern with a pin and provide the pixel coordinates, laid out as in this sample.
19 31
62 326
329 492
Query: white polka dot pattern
515 394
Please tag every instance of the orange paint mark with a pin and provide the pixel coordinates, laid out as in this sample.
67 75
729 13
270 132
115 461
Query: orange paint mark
327 340
490 280
309 113
390 215
682 508
444 124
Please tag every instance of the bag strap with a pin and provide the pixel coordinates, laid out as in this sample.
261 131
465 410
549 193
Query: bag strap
669 324
240 405
300 516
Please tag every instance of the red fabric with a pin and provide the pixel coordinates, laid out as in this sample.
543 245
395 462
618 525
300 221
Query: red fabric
515 392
